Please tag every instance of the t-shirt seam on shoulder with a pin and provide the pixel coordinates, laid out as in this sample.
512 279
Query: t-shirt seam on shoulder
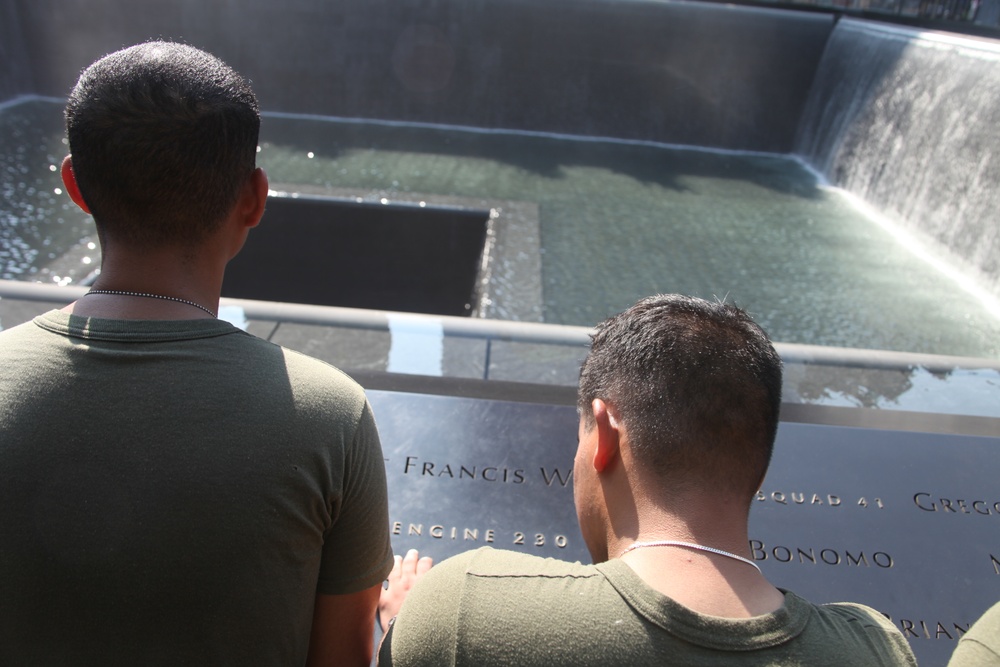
972 640
297 353
861 617
531 575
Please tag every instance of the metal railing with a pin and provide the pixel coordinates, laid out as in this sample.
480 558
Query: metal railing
521 332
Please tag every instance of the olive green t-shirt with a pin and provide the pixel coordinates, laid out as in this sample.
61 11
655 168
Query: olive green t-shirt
980 646
490 607
177 492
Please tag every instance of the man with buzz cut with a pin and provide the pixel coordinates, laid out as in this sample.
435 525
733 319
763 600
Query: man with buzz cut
678 403
173 490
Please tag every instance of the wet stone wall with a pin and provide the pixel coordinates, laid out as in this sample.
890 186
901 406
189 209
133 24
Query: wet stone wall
689 73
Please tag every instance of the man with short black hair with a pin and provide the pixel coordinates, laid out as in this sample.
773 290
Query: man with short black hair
174 490
678 400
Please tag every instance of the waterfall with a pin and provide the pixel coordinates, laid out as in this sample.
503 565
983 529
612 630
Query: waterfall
908 122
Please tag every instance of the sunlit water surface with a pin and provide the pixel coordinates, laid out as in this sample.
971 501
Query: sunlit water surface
617 222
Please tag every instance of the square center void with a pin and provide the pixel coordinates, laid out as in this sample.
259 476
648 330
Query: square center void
332 252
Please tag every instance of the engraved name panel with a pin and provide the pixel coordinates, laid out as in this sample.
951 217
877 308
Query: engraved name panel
468 473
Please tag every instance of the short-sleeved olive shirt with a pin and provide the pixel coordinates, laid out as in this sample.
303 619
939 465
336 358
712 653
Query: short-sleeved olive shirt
489 608
177 492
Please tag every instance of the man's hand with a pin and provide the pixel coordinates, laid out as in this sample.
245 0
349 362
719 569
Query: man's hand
405 572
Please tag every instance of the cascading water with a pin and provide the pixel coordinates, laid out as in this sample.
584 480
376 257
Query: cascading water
906 121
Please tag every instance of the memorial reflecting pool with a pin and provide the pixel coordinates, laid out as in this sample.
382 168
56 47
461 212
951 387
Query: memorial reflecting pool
616 221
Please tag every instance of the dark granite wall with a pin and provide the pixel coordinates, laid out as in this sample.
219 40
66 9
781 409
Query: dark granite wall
15 72
688 73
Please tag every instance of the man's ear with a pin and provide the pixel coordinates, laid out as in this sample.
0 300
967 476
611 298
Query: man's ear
254 198
69 180
608 435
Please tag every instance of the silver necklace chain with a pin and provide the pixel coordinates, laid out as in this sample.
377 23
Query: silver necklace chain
690 545
150 296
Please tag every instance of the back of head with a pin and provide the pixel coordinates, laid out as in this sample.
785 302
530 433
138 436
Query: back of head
697 386
162 137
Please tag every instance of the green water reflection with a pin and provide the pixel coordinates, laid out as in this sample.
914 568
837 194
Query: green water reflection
622 221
